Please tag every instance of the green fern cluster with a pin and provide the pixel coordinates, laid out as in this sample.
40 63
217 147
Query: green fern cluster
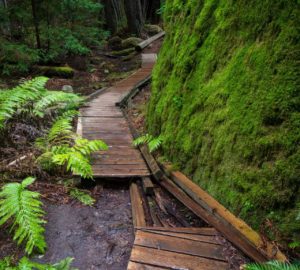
272 265
153 142
26 264
62 147
31 97
23 207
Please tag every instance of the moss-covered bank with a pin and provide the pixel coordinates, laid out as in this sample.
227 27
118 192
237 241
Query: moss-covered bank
226 100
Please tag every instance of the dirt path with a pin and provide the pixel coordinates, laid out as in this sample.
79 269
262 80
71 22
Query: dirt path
98 237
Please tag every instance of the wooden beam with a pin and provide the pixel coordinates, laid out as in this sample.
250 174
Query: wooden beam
148 186
148 41
238 226
138 214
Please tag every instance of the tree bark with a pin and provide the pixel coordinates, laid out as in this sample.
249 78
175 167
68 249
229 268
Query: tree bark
110 16
36 24
135 19
152 15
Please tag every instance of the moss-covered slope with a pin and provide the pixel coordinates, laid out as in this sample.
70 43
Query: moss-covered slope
225 98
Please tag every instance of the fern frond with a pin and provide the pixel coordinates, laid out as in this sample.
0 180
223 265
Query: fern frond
272 265
60 132
142 140
153 142
76 162
86 147
19 97
24 207
26 264
82 196
60 99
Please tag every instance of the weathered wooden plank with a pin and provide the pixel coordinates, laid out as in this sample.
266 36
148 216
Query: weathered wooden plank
138 213
193 237
148 186
258 247
171 260
211 219
209 231
140 266
179 245
119 167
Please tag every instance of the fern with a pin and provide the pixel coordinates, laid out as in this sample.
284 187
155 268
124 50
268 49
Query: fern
82 196
63 147
56 99
153 142
31 98
20 96
24 207
272 265
26 264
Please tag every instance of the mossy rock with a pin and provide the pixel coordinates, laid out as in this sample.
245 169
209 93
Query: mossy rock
63 72
152 29
123 52
115 43
131 42
225 98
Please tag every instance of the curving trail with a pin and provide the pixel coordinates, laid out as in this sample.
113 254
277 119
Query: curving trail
102 119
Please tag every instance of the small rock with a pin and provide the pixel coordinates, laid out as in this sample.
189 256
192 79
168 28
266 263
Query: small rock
67 88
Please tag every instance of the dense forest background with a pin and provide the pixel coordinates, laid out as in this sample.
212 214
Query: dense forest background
45 32
225 100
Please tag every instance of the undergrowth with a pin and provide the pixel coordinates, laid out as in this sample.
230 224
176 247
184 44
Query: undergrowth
225 98
26 264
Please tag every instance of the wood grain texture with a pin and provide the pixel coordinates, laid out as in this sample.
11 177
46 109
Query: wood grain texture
101 119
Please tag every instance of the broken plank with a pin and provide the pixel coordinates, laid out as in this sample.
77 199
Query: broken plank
138 213
269 250
179 245
171 260
148 186
198 231
193 237
141 266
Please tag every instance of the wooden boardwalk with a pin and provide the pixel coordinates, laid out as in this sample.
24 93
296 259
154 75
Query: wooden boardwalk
176 248
102 119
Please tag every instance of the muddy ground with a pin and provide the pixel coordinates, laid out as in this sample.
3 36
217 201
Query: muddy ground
98 237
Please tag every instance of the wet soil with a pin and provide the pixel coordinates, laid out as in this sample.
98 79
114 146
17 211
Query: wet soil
98 237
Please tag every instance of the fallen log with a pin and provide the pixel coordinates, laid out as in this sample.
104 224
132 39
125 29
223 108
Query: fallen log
148 41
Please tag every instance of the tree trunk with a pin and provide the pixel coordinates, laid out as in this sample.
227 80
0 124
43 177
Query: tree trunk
152 15
110 16
36 24
135 19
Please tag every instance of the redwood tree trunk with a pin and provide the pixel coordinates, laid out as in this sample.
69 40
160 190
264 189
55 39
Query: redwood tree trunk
36 24
134 14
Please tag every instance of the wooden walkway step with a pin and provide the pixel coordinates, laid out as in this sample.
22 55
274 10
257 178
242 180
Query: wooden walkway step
101 119
176 248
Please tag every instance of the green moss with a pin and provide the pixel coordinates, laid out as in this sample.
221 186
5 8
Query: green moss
225 97
123 52
131 42
64 72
